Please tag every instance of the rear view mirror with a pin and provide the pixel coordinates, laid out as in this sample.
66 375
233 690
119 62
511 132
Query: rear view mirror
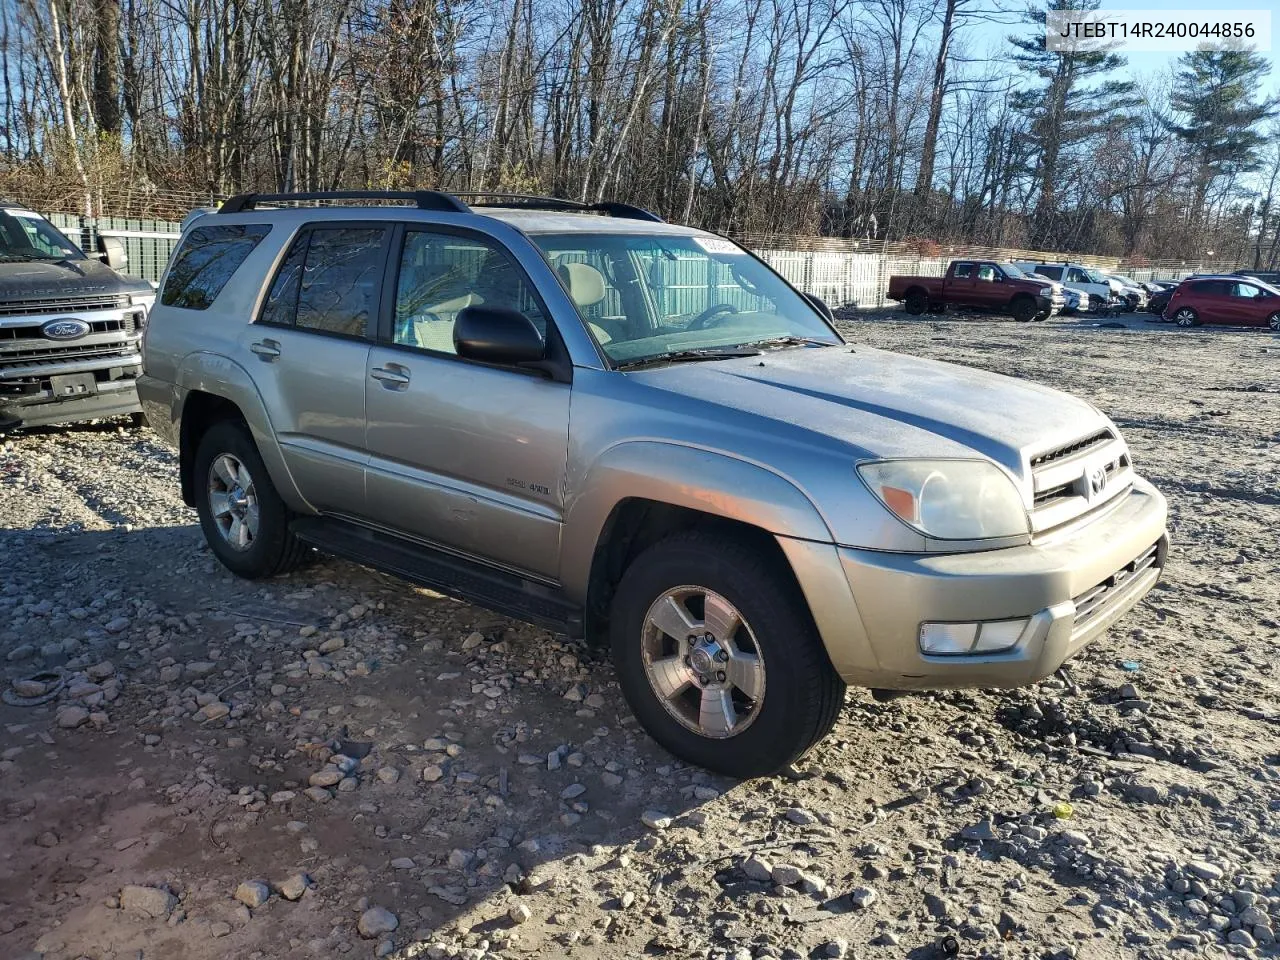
497 335
113 252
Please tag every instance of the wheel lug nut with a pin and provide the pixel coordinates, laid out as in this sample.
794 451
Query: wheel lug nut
722 656
720 676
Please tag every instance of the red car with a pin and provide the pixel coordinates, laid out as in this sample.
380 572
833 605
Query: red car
1237 301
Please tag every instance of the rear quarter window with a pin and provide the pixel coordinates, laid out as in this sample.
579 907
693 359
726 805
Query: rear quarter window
206 261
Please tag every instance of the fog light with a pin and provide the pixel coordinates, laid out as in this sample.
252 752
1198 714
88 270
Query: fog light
941 639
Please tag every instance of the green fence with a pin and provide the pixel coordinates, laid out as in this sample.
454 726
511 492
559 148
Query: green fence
147 242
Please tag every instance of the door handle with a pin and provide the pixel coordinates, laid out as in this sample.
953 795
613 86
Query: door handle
267 350
393 376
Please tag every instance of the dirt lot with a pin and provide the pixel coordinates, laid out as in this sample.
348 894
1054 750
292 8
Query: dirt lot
406 775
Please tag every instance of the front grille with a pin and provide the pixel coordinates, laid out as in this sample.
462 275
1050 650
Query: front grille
55 355
126 324
1072 449
1097 599
22 308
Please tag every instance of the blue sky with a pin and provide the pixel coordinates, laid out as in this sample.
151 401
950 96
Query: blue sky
1142 63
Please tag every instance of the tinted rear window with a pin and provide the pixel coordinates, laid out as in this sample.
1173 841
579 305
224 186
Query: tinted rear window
205 262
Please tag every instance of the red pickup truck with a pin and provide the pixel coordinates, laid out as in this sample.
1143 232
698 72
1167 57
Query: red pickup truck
983 285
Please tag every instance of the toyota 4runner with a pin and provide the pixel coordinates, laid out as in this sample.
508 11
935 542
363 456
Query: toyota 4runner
70 327
621 428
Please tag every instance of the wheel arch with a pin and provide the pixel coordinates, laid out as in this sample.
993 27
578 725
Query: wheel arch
213 388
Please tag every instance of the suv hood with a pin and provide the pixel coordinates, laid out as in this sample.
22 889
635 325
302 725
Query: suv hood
886 405
69 279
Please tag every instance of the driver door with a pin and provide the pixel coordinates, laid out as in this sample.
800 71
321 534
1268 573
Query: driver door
464 455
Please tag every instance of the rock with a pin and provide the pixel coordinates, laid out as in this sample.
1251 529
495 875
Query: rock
1204 870
325 778
253 893
118 625
214 711
219 928
1074 838
100 671
758 869
432 772
21 652
785 875
473 640
1241 937
199 668
332 644
29 688
170 674
47 839
377 921
294 887
572 791
801 816
318 794
403 863
835 948
863 897
655 820
388 774
71 717
519 913
982 830
154 902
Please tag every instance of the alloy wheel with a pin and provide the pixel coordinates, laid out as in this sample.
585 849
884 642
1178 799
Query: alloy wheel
233 501
702 662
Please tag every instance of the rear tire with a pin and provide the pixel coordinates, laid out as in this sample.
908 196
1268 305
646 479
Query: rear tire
917 302
1186 317
701 582
1273 322
245 522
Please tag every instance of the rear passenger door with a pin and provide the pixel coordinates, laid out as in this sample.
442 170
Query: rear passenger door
464 455
307 352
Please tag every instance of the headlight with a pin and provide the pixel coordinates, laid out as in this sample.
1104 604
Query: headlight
949 499
142 300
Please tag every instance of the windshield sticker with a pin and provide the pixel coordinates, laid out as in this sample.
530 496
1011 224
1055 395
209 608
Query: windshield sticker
718 245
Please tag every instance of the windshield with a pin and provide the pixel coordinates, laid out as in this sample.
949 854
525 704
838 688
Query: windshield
1095 276
646 297
28 236
1013 272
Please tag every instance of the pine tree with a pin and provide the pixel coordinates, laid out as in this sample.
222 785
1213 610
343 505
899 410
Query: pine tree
1218 117
1069 104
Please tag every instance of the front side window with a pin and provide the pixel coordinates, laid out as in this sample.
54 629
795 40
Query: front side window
1247 290
205 262
987 273
329 281
442 274
647 296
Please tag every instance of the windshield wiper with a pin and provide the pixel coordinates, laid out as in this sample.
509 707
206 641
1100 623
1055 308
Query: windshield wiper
790 341
689 356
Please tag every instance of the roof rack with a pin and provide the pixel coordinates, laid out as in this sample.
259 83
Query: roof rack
534 202
423 199
446 202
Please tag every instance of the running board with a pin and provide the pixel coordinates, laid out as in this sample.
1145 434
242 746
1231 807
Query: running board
457 577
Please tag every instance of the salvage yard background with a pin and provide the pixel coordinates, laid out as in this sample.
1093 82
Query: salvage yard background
336 763
844 273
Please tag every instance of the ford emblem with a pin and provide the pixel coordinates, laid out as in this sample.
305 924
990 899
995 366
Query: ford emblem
64 328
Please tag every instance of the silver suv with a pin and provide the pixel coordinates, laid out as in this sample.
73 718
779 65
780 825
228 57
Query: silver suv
621 428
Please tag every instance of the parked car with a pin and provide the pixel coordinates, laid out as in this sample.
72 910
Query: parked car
1075 276
1073 301
70 326
1229 299
1158 302
980 285
637 432
1130 292
1266 276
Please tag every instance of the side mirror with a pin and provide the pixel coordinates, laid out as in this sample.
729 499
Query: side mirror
497 335
820 305
113 252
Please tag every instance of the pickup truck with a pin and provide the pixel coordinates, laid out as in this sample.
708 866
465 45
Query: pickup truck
70 326
982 285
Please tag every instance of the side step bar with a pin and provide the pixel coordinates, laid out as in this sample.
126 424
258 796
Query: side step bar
454 576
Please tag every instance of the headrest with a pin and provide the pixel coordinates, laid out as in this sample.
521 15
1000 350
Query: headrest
585 283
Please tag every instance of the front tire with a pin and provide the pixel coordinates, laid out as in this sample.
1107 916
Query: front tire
718 656
1273 322
917 302
1186 317
1023 309
245 522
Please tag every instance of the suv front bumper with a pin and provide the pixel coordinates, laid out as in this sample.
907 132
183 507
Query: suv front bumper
1072 585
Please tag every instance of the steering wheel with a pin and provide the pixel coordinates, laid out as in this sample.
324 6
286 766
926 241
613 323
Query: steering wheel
702 320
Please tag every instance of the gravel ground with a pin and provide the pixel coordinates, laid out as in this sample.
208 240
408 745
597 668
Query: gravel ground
338 763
